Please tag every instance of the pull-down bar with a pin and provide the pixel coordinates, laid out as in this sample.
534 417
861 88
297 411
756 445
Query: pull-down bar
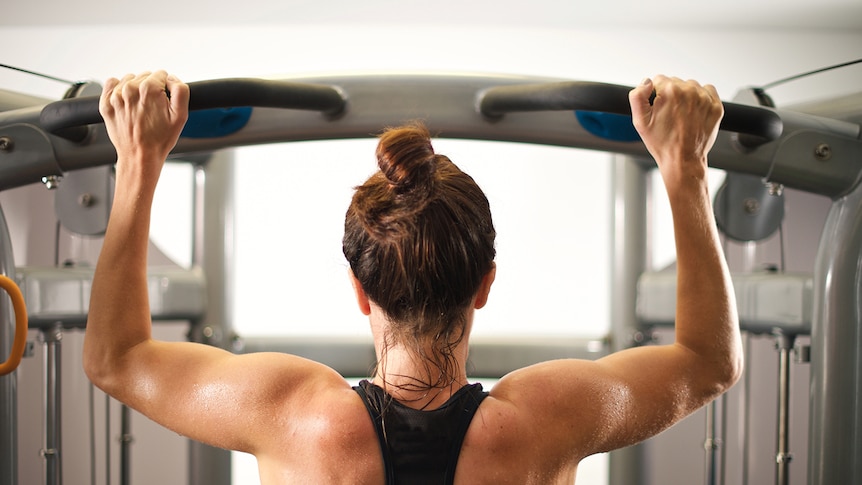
611 98
75 113
453 106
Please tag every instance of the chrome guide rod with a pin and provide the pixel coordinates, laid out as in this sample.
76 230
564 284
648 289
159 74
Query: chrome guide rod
711 445
125 445
782 454
52 338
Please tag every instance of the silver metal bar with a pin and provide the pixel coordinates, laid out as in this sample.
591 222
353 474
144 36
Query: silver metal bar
782 455
10 100
125 445
9 382
52 337
198 236
62 295
710 445
354 357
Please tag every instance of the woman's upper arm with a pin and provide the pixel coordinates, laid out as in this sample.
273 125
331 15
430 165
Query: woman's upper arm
596 406
213 396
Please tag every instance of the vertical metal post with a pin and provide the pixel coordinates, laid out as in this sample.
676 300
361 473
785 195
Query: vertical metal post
710 445
782 454
835 415
213 250
9 382
125 445
629 178
52 337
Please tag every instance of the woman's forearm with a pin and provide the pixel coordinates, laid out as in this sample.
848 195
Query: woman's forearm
706 314
119 315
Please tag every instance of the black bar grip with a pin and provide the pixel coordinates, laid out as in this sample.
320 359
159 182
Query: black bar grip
612 98
61 117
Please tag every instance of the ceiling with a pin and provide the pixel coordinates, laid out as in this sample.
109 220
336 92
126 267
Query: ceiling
766 14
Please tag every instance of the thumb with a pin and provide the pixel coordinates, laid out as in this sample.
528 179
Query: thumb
640 100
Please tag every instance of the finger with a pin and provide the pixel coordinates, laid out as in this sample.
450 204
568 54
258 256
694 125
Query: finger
129 87
639 98
154 83
142 75
713 93
107 91
132 86
179 95
716 99
121 83
663 90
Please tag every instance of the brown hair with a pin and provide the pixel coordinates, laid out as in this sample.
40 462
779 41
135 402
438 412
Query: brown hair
419 239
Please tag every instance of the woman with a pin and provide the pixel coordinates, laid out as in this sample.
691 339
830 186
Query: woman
419 240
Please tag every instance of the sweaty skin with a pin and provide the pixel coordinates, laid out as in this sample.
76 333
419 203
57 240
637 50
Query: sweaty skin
301 419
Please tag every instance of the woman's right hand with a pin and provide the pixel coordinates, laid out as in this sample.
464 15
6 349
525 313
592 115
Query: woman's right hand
144 116
679 127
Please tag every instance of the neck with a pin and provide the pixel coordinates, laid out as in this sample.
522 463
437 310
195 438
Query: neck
412 378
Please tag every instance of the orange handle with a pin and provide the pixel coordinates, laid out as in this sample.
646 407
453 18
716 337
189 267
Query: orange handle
20 341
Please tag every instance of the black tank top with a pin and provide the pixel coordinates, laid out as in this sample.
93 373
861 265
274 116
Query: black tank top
420 447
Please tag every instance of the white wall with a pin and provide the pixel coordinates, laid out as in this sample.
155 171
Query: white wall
727 58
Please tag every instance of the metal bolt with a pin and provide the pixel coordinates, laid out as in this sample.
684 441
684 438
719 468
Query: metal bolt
51 181
774 189
6 144
823 152
208 332
751 206
783 458
86 200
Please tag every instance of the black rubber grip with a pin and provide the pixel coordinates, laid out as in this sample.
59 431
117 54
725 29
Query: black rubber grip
69 116
612 98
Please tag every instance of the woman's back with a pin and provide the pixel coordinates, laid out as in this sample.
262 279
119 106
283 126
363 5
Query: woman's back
335 442
420 244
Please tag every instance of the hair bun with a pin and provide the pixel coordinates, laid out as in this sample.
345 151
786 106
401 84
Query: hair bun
406 158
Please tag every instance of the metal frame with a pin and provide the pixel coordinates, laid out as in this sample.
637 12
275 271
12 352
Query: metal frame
9 382
811 153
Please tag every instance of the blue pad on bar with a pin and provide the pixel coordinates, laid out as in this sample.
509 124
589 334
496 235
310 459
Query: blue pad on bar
214 123
609 126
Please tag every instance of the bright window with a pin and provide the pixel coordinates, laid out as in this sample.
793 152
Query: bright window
551 209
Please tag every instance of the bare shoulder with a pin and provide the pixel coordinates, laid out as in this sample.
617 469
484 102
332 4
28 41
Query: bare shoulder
560 404
581 407
558 385
316 436
527 430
